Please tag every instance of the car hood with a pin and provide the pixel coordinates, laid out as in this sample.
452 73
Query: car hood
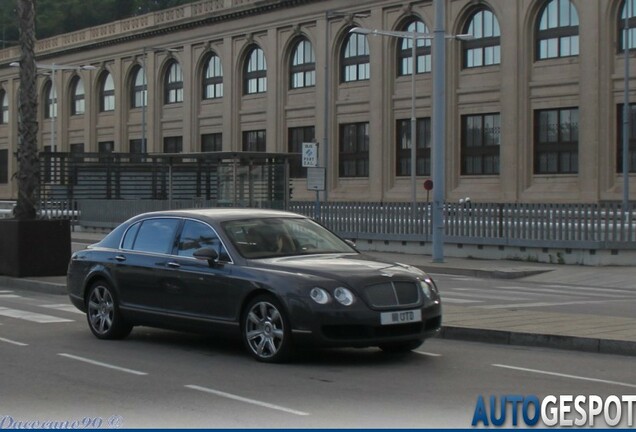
352 268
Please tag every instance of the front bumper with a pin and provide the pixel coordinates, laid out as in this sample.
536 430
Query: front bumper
359 326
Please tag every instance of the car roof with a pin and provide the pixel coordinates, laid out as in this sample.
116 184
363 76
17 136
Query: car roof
223 214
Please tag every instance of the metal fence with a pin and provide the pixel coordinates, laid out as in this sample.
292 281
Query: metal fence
594 226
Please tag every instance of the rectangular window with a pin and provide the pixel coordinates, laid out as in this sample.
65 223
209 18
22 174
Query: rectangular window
254 141
4 166
105 148
295 139
77 148
423 149
135 150
481 140
211 142
632 139
354 150
173 144
556 148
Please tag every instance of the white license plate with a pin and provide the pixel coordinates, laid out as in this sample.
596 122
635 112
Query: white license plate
389 318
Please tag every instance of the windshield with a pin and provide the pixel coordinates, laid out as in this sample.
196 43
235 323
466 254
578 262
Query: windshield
274 237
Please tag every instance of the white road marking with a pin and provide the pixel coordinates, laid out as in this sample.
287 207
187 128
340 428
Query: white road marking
31 316
246 400
106 365
5 291
13 342
565 375
488 296
429 354
461 301
9 296
64 307
543 304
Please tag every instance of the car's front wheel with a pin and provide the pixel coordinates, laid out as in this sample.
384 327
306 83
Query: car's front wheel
102 313
401 347
266 331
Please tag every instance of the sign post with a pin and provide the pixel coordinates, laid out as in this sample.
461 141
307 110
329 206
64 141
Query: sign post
315 174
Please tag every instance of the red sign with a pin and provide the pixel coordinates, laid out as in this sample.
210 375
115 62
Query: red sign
428 184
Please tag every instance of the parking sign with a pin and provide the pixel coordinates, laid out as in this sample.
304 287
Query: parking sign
310 154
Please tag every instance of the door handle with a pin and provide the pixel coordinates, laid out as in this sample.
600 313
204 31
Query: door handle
173 264
120 258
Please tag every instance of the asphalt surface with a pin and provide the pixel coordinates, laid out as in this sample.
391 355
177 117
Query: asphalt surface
506 302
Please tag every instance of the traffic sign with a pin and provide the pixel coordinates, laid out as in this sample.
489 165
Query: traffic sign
310 154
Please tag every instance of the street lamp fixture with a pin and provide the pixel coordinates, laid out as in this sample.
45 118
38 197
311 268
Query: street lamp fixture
52 68
438 117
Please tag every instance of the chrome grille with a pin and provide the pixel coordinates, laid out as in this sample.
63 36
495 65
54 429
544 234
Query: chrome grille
392 294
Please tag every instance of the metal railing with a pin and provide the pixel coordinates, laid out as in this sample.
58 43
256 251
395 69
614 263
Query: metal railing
534 225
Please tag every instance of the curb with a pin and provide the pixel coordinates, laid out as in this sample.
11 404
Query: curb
572 343
33 285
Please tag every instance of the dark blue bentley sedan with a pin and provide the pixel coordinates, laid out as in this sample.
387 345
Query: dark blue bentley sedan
276 279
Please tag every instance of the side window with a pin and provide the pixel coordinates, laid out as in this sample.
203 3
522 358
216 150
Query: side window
196 235
156 235
129 237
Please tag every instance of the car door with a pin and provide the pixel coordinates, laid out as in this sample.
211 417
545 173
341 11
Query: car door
142 263
207 291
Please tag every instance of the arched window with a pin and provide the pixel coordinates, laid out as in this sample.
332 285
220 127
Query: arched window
355 58
302 70
78 101
255 72
50 101
422 51
173 84
485 47
558 30
107 93
139 89
213 79
4 107
630 5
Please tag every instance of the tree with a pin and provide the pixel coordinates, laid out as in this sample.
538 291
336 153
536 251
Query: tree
28 174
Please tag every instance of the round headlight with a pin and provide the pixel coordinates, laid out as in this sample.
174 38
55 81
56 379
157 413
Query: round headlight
343 296
319 295
428 288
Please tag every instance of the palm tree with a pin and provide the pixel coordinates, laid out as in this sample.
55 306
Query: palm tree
28 173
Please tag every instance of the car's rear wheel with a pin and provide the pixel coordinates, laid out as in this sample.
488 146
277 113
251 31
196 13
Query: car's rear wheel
266 331
102 313
401 347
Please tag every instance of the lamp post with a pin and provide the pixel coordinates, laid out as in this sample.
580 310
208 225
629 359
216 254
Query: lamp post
439 83
626 112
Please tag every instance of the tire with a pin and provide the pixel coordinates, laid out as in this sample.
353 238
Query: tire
265 330
401 347
102 313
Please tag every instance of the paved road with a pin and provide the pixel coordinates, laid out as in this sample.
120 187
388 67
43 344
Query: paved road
54 369
493 294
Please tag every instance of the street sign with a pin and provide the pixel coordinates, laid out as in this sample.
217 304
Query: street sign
316 178
428 184
310 154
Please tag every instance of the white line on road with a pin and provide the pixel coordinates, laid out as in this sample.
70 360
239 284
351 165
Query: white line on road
64 307
446 299
565 375
429 354
9 296
5 291
543 304
106 365
246 400
13 342
31 316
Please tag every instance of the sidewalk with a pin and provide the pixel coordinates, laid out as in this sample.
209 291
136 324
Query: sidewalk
584 332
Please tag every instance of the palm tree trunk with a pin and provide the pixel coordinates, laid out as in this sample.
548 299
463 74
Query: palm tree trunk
28 173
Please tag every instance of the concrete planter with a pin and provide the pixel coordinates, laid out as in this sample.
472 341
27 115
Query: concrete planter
34 247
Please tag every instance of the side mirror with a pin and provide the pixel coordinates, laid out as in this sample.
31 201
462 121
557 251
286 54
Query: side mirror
206 254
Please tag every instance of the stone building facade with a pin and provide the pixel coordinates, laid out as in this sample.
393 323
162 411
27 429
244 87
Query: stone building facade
533 101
